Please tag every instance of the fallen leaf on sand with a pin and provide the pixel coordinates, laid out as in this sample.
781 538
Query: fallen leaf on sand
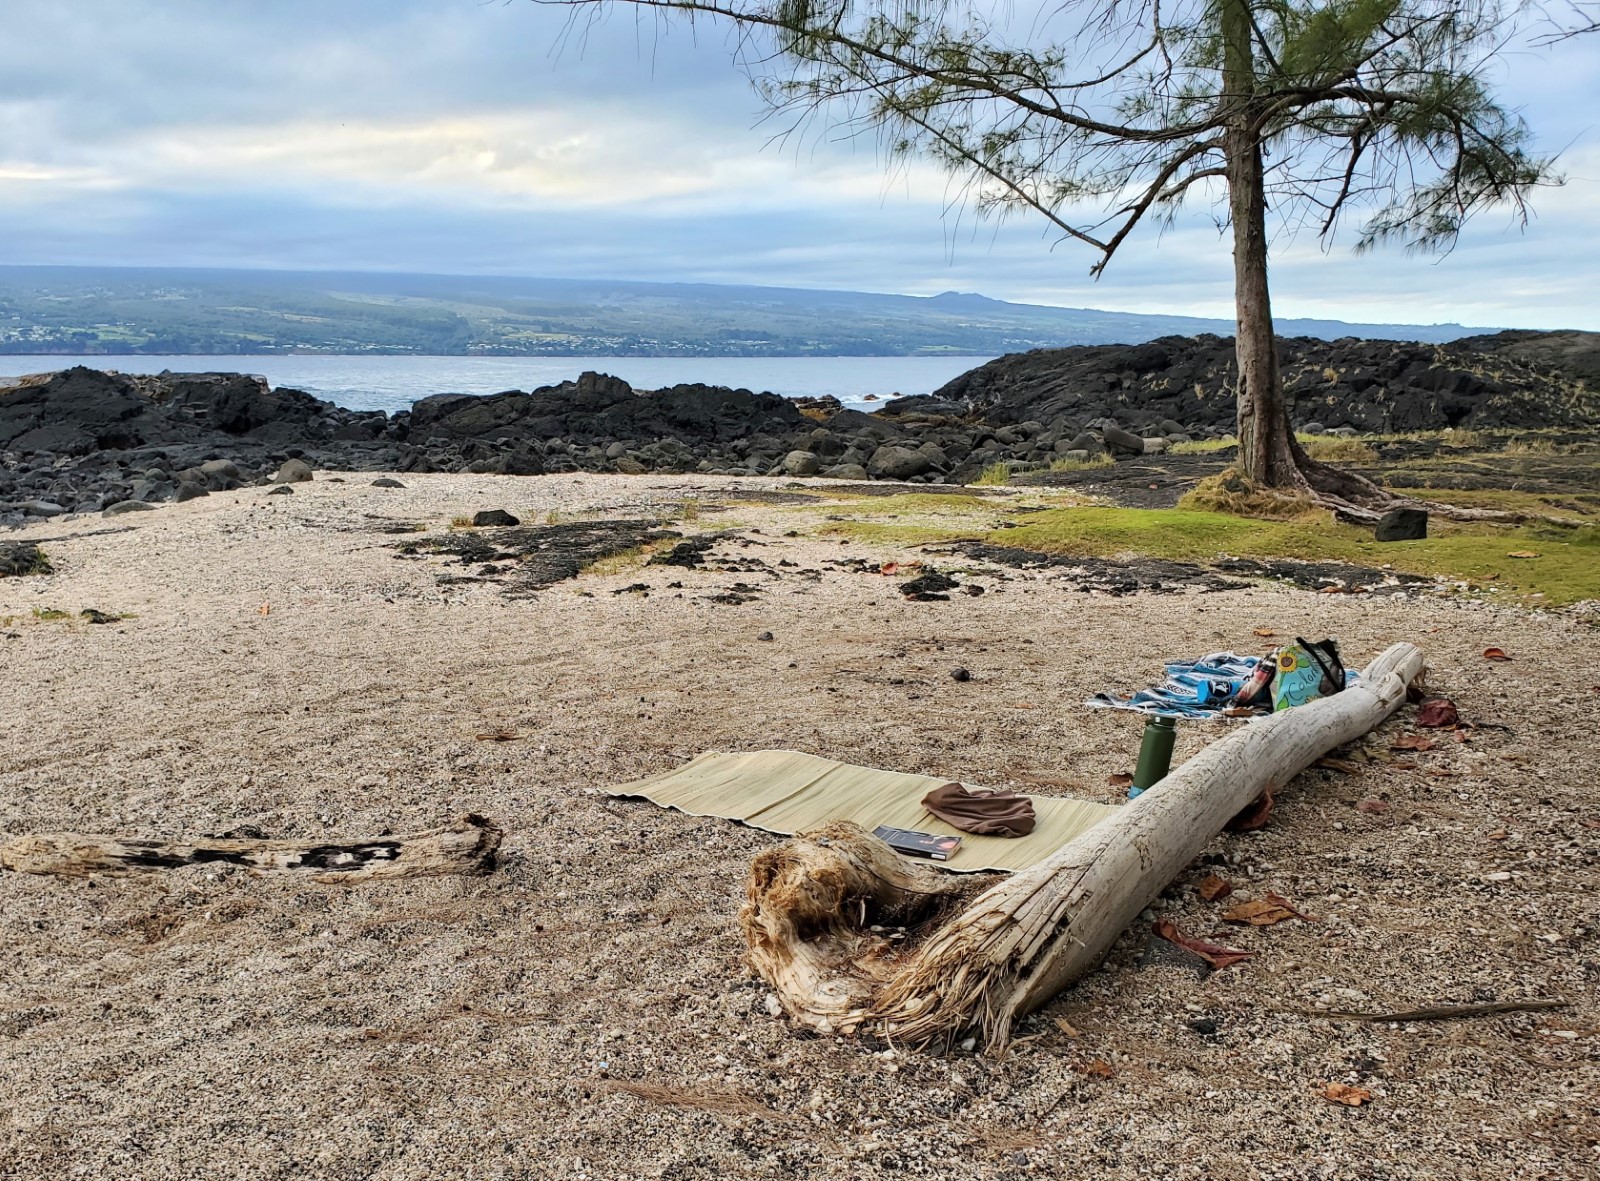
1403 765
1412 742
1349 1096
1120 779
1336 764
1522 553
1212 888
1217 956
1068 1028
1437 712
1099 1068
1264 632
1373 806
500 735
1262 912
1591 823
1254 816
1495 654
1499 834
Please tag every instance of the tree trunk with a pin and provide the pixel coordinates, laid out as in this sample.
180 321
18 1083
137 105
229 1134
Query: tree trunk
812 902
465 846
1266 447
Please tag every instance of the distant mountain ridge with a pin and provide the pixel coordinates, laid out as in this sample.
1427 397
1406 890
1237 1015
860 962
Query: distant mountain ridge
132 311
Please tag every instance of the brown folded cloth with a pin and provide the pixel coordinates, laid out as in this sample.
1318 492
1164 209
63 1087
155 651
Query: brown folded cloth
987 813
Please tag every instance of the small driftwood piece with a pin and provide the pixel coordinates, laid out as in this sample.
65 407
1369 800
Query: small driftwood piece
465 846
810 901
1444 1012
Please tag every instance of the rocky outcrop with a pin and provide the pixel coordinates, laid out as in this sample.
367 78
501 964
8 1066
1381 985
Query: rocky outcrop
82 440
1505 380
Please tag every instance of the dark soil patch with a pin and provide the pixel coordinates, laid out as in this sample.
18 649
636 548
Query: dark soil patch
1326 576
902 488
542 554
1163 576
1155 481
21 558
1154 575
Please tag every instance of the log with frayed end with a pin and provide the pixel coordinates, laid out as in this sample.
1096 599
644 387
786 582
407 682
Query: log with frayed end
811 901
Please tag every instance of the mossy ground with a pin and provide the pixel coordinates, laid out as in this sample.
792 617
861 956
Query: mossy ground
1566 570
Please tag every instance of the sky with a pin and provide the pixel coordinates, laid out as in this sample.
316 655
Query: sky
482 137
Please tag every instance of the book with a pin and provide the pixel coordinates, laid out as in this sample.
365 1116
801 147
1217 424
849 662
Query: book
918 844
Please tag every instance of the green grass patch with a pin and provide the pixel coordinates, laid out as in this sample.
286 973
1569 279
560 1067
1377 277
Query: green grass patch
949 503
996 475
1567 569
1511 500
906 534
1204 446
909 518
621 562
1337 449
50 614
1065 464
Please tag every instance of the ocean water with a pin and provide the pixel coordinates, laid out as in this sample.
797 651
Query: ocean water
394 383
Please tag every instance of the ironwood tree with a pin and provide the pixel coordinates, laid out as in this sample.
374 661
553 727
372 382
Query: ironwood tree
1104 115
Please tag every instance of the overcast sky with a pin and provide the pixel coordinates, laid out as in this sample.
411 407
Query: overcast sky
464 137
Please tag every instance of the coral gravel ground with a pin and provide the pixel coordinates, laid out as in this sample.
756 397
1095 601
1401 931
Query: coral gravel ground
584 1012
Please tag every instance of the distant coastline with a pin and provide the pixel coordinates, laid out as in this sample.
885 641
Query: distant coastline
109 311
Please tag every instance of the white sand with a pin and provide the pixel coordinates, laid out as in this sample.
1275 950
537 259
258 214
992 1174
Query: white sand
584 1011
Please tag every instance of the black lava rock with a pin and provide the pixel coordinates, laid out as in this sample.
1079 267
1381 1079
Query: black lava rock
1402 524
494 516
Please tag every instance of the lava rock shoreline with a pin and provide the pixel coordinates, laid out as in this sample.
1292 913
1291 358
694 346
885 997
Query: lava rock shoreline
82 440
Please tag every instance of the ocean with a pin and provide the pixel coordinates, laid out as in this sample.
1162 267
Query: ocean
394 383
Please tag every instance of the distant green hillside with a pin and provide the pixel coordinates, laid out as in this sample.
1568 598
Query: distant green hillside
124 310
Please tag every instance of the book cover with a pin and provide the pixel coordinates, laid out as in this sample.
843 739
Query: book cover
918 844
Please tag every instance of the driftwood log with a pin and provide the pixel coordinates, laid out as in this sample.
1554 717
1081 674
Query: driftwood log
467 845
811 902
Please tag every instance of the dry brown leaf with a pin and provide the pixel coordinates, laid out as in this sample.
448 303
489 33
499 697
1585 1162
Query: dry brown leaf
1337 764
1412 742
500 734
1437 712
1257 913
1120 779
1068 1028
1212 888
1217 956
1522 553
1499 834
1495 654
1587 823
1263 632
1403 765
1263 912
1372 806
1099 1068
1255 815
1349 1096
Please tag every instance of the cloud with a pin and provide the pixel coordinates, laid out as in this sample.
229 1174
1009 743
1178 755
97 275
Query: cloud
459 136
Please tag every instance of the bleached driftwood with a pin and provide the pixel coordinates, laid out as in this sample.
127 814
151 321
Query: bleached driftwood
1020 942
465 846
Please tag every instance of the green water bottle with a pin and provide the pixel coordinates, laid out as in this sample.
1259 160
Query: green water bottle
1155 755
